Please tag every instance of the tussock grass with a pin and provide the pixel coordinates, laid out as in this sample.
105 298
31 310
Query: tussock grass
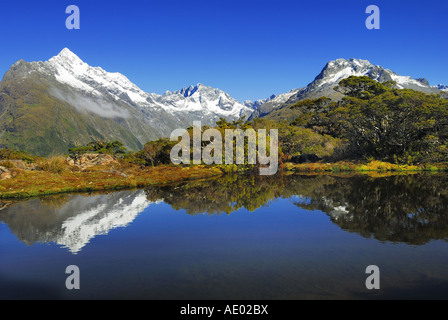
371 166
54 164
7 164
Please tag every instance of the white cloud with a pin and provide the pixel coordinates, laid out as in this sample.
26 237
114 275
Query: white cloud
96 105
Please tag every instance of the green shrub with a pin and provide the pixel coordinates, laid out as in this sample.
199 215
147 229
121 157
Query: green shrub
10 154
115 148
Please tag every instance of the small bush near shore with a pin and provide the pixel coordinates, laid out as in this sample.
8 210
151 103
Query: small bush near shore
54 164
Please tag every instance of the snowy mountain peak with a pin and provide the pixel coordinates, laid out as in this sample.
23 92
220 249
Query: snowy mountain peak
352 63
67 53
211 102
339 69
191 90
335 71
69 69
67 59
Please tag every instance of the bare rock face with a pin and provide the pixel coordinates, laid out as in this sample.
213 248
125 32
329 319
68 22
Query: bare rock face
20 164
10 168
88 160
5 173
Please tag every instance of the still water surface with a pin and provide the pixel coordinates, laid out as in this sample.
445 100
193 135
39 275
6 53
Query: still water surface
234 237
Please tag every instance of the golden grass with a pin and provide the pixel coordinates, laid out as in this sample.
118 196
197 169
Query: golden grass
54 164
100 178
372 166
7 164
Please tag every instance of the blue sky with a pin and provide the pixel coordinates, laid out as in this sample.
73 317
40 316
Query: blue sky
248 48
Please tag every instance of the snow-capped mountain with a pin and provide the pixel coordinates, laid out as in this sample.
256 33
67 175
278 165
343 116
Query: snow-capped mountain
209 101
90 101
68 68
328 78
339 69
200 99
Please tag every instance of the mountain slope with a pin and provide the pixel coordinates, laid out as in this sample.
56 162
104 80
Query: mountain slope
41 115
266 106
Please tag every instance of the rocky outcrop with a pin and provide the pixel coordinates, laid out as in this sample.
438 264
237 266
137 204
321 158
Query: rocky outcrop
10 168
20 164
88 160
5 173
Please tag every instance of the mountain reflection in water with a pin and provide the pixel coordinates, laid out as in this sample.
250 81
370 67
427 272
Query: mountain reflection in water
72 220
410 209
